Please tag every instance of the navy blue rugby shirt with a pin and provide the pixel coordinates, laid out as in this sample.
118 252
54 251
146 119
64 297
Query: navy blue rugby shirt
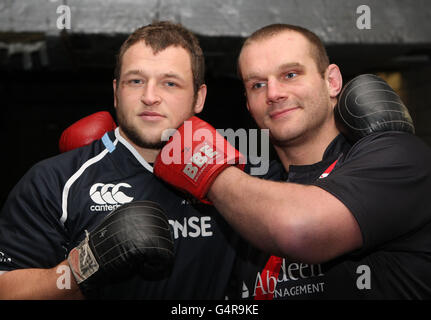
48 211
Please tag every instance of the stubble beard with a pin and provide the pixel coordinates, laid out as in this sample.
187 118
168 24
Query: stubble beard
132 132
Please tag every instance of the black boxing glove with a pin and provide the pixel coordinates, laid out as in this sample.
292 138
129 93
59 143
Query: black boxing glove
134 238
368 104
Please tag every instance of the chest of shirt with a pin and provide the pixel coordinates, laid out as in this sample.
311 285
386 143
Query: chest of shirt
90 200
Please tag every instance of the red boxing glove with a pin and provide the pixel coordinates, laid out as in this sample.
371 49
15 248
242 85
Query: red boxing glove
86 130
194 156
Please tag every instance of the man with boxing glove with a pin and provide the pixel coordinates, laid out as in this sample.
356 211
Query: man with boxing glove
346 215
99 210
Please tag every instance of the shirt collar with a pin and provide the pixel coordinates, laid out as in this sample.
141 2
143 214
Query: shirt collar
126 157
308 173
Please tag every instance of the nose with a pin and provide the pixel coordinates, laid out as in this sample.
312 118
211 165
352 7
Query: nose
275 92
150 95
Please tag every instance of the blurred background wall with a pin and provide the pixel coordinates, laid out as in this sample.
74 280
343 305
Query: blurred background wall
57 58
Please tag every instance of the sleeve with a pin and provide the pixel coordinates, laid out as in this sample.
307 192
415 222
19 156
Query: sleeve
31 234
385 181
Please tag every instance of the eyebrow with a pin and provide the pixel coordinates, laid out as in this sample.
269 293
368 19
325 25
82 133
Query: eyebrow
173 75
284 66
291 65
133 72
164 75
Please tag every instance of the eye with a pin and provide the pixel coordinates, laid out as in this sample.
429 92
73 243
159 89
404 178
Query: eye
170 84
291 75
134 82
258 85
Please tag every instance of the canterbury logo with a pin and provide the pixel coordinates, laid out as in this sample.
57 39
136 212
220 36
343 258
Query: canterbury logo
109 193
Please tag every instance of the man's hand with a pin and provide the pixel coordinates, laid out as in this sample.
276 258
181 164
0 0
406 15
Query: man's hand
194 156
134 238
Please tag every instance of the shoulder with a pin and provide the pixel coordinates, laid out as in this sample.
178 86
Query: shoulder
394 143
386 156
393 152
51 174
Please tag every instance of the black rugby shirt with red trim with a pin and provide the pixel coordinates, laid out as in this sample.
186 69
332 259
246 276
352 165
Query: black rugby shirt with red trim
385 181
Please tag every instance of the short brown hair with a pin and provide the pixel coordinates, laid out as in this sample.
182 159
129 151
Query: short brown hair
318 51
162 34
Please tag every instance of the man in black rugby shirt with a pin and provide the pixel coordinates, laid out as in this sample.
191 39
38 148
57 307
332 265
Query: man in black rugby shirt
159 83
343 219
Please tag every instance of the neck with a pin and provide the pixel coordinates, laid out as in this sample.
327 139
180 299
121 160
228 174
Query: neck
149 155
306 150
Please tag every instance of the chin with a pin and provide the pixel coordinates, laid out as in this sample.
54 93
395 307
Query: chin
148 139
286 137
150 143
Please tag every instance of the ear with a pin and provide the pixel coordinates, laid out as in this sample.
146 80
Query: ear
200 99
334 80
114 85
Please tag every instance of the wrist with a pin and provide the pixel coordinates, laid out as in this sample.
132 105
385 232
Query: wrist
65 282
223 182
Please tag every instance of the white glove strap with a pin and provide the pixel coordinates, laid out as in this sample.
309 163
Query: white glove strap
82 262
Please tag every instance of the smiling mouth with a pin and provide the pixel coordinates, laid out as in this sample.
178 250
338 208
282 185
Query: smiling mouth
280 113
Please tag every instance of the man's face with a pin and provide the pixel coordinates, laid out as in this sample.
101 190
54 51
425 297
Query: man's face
285 91
154 93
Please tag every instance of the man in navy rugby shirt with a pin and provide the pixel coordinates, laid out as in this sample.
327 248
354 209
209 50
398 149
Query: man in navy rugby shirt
159 83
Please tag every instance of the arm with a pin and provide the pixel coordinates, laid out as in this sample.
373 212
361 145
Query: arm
303 222
37 284
132 239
